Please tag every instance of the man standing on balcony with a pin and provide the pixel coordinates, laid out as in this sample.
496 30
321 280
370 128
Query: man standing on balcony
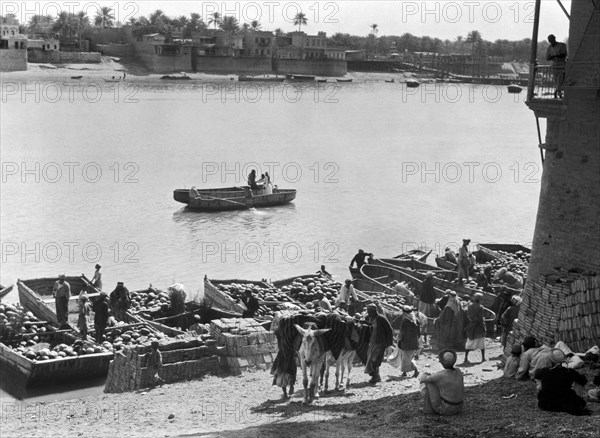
557 53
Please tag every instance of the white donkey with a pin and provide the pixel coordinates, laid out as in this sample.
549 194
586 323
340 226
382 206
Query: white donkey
312 353
343 362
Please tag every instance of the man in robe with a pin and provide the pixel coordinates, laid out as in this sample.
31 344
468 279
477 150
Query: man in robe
557 53
450 324
346 292
381 338
463 261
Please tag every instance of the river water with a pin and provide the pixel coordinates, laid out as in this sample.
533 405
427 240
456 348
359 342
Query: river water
88 174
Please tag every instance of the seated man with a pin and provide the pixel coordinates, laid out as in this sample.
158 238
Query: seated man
556 394
530 357
198 327
323 302
443 392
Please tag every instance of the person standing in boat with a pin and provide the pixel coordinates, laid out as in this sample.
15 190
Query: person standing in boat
463 261
252 180
359 259
268 184
62 293
97 278
450 256
120 301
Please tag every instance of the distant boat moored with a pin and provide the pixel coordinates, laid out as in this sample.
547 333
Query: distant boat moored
76 77
412 83
243 78
514 88
176 77
233 198
307 78
344 79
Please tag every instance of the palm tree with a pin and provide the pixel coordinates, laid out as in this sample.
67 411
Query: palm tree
40 24
196 22
158 17
299 20
255 24
215 18
245 28
104 17
278 32
83 22
230 24
474 37
62 24
183 21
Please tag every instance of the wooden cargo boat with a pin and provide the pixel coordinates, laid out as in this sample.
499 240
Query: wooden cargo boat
344 80
514 88
415 254
233 198
244 78
417 266
36 296
22 372
463 291
489 251
412 83
213 297
445 264
5 290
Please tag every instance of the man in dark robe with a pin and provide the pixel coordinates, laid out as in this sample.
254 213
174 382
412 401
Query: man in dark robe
100 308
251 304
450 324
381 337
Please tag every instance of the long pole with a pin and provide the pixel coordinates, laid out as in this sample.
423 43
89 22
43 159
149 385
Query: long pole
533 53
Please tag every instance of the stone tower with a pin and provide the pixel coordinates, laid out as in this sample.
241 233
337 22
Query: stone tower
566 242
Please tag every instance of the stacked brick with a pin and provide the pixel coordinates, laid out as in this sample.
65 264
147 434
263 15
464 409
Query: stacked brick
563 307
184 358
246 344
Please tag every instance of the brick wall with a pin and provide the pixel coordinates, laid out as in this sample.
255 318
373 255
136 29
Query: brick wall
56 57
226 64
13 60
317 67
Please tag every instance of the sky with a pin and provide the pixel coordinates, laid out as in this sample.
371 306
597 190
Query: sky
502 19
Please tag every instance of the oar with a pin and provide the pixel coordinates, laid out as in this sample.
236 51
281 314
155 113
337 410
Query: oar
226 200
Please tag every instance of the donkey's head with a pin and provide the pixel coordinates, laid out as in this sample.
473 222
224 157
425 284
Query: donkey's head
310 350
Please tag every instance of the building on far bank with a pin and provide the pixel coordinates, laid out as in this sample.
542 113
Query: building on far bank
13 45
258 43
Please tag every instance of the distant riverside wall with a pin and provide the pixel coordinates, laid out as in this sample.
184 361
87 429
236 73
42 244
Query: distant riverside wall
162 64
317 67
117 50
13 60
226 64
56 57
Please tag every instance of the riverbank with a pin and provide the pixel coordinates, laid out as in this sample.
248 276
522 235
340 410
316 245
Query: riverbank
249 406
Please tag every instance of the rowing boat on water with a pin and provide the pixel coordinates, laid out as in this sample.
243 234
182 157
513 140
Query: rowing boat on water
233 198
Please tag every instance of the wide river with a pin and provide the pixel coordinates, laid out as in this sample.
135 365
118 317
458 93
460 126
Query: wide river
88 175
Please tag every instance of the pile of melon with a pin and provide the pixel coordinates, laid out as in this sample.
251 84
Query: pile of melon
120 337
35 350
151 301
305 290
15 320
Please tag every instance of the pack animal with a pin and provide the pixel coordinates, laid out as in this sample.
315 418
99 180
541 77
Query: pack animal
312 354
344 362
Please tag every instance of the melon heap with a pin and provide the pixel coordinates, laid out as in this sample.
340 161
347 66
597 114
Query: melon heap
119 337
155 303
36 350
15 320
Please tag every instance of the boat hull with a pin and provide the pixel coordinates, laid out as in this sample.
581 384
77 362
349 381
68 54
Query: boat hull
306 78
232 198
259 79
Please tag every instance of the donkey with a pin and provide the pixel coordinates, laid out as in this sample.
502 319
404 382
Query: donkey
312 354
344 361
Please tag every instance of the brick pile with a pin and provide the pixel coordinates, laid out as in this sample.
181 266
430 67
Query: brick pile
562 307
246 344
185 357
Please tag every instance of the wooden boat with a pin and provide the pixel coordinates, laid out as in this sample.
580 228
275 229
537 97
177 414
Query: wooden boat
344 80
417 266
76 77
412 83
489 300
391 81
233 198
321 80
305 78
22 372
5 291
514 88
243 78
490 251
445 264
416 254
176 77
112 80
380 276
36 296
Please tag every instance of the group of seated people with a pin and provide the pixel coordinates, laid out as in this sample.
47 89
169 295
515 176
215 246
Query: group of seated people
559 385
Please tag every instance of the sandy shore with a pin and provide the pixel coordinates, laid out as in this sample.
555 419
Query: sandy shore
136 73
249 406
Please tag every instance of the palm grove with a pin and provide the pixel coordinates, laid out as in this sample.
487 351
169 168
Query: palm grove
75 26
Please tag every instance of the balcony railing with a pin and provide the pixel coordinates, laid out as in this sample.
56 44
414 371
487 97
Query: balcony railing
546 80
